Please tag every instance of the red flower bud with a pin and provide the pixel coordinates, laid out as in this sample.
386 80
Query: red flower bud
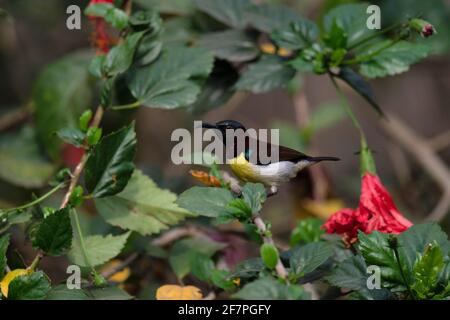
376 212
428 30
423 27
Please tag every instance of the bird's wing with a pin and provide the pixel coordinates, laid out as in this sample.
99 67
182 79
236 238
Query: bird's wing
285 154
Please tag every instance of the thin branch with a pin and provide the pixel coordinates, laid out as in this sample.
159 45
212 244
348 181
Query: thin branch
175 234
421 150
129 260
14 117
80 167
440 142
262 228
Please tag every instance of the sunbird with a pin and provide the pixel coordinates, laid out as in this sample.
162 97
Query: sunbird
271 174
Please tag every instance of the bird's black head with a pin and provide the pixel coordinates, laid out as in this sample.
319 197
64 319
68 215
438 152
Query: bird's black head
225 125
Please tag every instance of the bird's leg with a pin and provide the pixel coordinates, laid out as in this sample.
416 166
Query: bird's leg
272 191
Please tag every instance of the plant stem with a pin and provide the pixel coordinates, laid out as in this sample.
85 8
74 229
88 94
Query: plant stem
371 55
81 238
261 226
36 261
349 111
80 167
375 35
127 106
397 258
36 201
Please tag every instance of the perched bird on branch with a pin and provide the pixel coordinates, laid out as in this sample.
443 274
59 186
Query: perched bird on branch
247 163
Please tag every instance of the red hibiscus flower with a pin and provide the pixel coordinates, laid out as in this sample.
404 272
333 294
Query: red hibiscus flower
376 212
100 37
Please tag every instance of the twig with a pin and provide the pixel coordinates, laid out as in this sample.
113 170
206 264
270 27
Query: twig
129 260
175 234
12 118
80 167
418 147
440 142
262 228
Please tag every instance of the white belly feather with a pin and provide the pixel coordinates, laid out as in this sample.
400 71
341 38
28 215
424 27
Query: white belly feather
270 175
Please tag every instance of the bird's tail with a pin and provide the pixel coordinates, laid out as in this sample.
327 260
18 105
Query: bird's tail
318 159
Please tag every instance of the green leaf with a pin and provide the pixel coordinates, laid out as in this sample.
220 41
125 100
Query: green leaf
254 194
229 12
307 231
202 266
99 249
231 45
120 58
172 81
21 162
61 93
395 59
336 38
350 274
352 19
34 286
54 234
269 255
375 249
109 293
427 270
114 16
217 89
110 164
297 35
308 258
357 82
268 17
264 75
142 207
417 238
4 243
181 253
61 292
72 136
204 201
270 289
248 269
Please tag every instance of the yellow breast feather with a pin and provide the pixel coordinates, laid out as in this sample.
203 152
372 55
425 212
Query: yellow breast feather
243 169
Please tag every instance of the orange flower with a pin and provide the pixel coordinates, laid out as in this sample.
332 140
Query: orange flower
205 178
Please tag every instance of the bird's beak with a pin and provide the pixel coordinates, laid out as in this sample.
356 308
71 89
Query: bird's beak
208 125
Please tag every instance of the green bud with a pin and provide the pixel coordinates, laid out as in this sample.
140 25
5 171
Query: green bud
99 280
76 198
93 135
367 164
424 28
47 211
61 176
269 255
85 118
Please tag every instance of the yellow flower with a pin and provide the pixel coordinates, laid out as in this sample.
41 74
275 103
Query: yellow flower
175 292
10 276
120 276
237 281
322 209
268 48
283 52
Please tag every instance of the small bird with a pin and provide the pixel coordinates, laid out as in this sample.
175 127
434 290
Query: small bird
273 174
